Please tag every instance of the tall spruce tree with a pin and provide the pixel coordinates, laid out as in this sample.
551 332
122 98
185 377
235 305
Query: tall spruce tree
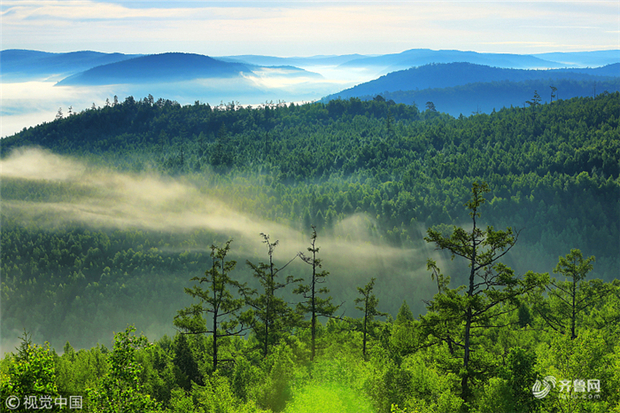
314 305
369 303
492 288
273 314
569 299
215 302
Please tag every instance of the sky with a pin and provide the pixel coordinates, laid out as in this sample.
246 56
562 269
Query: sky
306 28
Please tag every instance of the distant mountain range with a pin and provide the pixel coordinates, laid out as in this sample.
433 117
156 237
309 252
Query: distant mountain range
419 57
463 88
95 69
29 64
85 66
455 74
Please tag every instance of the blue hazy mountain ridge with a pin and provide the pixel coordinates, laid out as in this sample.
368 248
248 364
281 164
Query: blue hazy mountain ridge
611 70
442 75
320 60
419 57
26 64
286 70
165 67
584 59
488 96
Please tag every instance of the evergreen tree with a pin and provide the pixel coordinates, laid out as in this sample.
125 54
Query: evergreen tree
490 285
369 303
273 314
569 299
314 305
186 367
404 314
216 302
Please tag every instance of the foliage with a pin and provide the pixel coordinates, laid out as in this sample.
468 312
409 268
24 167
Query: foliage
554 178
120 390
31 374
216 302
313 304
552 170
491 284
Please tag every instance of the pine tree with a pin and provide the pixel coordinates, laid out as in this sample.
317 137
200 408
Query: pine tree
216 303
569 299
314 305
490 285
369 307
273 314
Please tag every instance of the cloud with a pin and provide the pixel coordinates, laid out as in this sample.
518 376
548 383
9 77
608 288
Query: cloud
300 28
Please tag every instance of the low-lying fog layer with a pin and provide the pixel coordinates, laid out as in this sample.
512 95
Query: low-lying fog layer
109 199
26 104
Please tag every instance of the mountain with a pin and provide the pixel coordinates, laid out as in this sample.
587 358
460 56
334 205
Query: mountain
489 96
26 64
426 83
166 67
419 57
321 60
584 59
611 70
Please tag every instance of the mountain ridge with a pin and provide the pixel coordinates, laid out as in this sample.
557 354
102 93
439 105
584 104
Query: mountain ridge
432 78
156 68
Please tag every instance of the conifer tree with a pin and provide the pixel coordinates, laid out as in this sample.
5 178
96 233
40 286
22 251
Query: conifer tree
490 285
314 305
569 299
272 313
369 303
186 366
216 303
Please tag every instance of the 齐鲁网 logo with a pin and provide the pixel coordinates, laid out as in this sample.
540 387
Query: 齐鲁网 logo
541 389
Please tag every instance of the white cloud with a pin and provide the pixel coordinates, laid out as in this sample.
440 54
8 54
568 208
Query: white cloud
305 28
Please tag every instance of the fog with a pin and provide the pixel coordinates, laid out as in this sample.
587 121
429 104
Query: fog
101 198
152 202
30 103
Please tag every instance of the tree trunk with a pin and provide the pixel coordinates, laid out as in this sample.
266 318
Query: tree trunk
469 316
313 305
574 315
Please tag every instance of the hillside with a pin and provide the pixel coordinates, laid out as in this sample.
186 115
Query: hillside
491 96
166 67
137 184
438 76
19 65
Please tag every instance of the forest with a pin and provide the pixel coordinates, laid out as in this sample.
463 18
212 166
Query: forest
429 263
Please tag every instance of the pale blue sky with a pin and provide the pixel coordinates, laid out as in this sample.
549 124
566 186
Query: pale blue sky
303 28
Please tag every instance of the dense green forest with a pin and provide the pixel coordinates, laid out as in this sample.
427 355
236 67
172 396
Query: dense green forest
108 214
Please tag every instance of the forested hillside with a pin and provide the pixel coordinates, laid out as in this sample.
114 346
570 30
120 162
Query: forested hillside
447 75
108 214
465 88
